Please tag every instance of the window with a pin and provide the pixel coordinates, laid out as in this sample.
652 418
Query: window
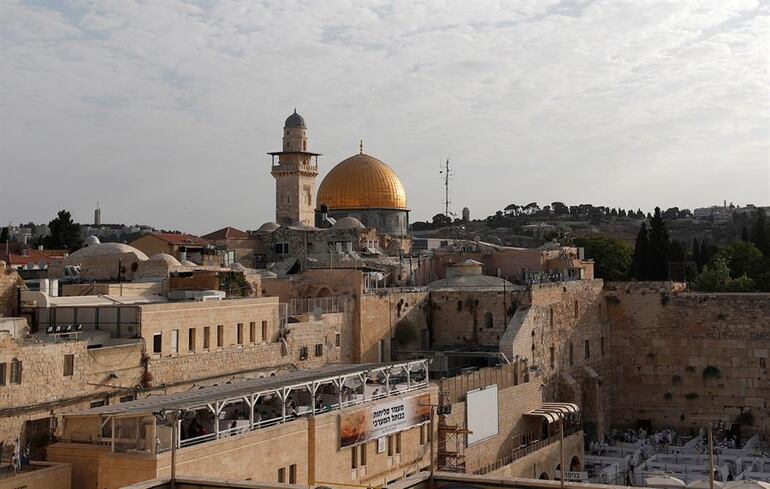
264 330
239 333
571 355
319 350
422 433
398 442
337 339
69 365
362 449
220 335
2 373
174 341
282 248
762 364
551 314
96 404
489 320
293 474
127 398
601 346
253 332
390 445
381 351
191 339
587 349
282 475
553 357
577 309
157 342
206 337
354 458
303 353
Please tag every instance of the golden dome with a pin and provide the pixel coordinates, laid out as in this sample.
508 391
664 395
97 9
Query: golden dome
362 182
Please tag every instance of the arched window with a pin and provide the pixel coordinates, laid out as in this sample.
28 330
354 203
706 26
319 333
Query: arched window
489 320
304 145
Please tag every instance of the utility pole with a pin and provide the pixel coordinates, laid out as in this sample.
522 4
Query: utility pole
709 430
174 441
447 174
561 450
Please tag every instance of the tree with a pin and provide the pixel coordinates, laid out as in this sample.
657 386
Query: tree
659 248
559 208
671 213
742 259
714 277
612 257
695 252
744 234
760 234
65 233
641 252
5 235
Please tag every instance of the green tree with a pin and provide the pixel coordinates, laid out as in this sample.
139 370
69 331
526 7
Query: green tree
559 208
659 248
65 233
760 234
714 277
5 235
612 257
641 252
742 259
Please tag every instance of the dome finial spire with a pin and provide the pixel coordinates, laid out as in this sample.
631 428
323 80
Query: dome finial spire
361 146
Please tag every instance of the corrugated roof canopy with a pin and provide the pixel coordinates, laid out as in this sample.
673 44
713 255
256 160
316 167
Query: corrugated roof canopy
207 395
552 411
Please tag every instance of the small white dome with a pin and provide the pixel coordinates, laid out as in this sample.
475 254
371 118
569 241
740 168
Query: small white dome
165 257
348 222
268 227
90 241
103 249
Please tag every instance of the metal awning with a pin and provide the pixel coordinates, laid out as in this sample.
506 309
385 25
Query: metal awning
552 411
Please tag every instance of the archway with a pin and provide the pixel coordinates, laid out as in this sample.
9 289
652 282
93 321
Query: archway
544 476
574 465
324 292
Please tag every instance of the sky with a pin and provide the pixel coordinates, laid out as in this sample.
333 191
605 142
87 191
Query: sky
163 111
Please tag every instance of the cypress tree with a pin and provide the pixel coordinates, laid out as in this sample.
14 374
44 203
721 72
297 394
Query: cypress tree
659 247
641 252
759 233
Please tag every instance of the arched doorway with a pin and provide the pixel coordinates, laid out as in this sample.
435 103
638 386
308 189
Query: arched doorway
544 476
574 465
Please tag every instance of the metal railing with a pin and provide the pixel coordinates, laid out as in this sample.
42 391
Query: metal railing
325 305
524 450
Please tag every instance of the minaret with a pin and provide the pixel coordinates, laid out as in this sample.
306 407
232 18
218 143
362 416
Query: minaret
97 215
295 174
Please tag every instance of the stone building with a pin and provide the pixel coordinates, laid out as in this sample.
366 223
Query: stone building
295 174
183 247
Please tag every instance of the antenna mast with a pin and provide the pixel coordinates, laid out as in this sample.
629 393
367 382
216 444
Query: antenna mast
447 172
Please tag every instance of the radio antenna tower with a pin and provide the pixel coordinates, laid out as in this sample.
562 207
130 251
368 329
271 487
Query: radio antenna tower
448 173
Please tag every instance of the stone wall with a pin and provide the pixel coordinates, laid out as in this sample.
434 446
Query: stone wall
45 391
677 356
471 318
10 281
543 463
513 402
380 313
564 334
44 475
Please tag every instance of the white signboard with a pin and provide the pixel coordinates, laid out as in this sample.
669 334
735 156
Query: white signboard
572 475
481 414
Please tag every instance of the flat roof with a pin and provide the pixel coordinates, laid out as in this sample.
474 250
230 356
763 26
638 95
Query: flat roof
207 395
103 300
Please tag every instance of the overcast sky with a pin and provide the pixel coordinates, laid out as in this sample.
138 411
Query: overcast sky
163 110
